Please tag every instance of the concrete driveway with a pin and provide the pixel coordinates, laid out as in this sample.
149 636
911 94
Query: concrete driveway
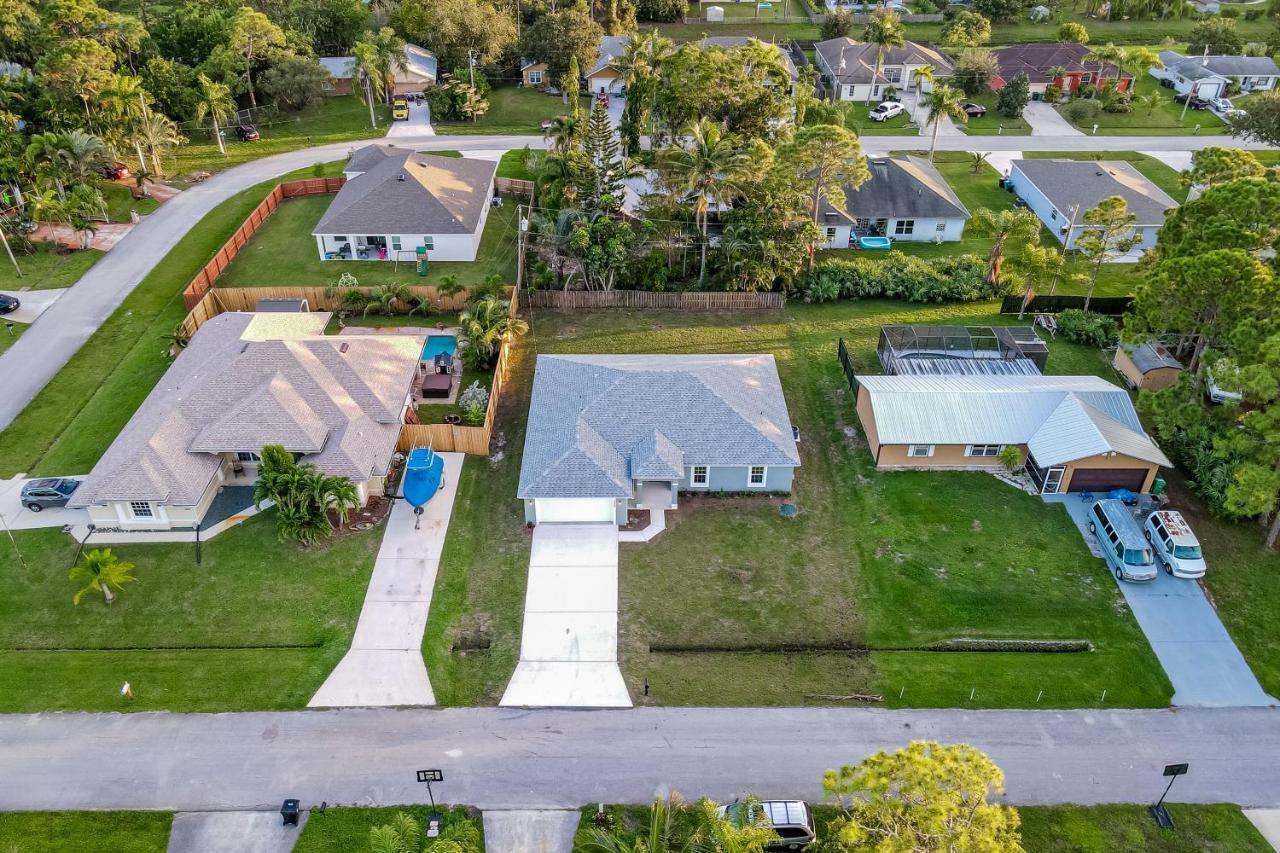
1185 632
418 124
569 642
33 304
384 665
1047 121
18 517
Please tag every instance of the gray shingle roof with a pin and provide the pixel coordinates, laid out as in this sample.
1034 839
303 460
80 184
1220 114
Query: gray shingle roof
408 193
855 62
611 48
1199 67
902 187
1086 182
248 380
596 419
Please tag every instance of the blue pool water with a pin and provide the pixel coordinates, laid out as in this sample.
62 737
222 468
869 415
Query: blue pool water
437 344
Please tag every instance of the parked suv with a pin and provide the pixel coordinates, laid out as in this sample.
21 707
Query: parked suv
1176 547
886 110
791 819
1123 547
39 494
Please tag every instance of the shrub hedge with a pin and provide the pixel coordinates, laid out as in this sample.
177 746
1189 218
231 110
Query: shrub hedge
1086 327
957 278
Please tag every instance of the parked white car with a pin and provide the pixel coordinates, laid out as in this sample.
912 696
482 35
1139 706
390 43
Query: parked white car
1218 394
887 110
1223 106
1176 547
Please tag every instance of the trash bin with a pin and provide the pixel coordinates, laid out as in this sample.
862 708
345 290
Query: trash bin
290 811
1157 488
422 261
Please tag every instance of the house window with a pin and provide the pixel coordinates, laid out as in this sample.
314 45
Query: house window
755 476
246 456
983 450
1053 215
940 228
831 234
395 242
904 227
920 450
535 78
893 75
141 509
428 243
699 476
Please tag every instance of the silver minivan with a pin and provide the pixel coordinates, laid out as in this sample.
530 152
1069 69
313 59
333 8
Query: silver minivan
1120 539
1174 543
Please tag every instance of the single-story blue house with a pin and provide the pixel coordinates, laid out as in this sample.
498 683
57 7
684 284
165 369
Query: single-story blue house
609 433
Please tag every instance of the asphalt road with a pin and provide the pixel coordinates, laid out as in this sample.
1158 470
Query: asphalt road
513 758
56 336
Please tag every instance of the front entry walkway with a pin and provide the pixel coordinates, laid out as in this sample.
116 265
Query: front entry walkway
384 665
530 830
569 644
1184 631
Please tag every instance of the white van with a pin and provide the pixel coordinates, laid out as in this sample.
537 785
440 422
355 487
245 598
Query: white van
1175 545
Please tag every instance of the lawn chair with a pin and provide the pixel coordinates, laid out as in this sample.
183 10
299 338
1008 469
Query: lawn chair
1048 323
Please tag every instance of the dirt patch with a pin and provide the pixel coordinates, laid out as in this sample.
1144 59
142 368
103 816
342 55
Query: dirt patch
474 634
362 520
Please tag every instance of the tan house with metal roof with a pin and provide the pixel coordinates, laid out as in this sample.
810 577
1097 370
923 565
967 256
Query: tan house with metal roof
243 382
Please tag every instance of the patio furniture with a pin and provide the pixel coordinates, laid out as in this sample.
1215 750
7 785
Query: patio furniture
443 362
436 385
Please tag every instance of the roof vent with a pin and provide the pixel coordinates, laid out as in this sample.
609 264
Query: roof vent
345 346
401 177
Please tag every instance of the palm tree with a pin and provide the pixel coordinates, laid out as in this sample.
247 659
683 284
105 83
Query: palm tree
706 171
1137 61
389 49
44 156
977 159
159 136
83 154
83 203
1001 226
102 571
385 296
216 103
943 102
125 103
884 30
1108 54
660 835
924 74
484 326
563 132
1149 102
1056 73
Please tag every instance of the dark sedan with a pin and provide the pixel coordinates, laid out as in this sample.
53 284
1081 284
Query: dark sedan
8 304
973 110
247 133
50 492
1197 102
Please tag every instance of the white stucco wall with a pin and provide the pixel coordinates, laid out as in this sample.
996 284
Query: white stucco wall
925 231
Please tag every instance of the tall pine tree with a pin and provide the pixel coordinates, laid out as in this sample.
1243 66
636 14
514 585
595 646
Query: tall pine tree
602 178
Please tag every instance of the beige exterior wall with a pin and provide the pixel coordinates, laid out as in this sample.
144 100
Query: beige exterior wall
117 513
1154 380
539 67
1116 461
944 456
868 422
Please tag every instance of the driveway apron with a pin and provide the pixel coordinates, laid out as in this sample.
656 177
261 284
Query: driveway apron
1184 630
1047 121
530 830
569 643
384 665
233 832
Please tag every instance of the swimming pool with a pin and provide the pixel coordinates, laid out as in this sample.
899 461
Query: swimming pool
437 344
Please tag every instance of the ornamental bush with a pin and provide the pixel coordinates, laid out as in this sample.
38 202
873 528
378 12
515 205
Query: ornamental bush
958 278
1086 327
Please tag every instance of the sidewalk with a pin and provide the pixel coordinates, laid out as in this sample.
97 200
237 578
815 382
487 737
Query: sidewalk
384 666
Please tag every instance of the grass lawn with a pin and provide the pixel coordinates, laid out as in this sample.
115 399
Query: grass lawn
336 119
84 832
1102 829
48 267
513 110
887 561
343 830
284 252
434 413
774 32
1165 119
120 201
981 189
72 420
512 165
258 625
993 124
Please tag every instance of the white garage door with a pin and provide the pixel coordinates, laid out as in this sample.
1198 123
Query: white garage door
573 509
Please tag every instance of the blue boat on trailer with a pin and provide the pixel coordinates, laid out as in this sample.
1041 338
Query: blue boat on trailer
423 477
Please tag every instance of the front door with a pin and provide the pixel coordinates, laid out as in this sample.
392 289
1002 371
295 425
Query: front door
1052 481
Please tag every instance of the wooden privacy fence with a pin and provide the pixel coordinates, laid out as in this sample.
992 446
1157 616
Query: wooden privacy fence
574 300
513 185
464 439
1111 305
203 282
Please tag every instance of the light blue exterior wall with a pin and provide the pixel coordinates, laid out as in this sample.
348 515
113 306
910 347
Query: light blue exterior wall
733 478
1055 219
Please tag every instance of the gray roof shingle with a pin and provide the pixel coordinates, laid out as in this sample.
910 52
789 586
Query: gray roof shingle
902 187
1086 182
855 62
402 192
1200 67
596 420
248 380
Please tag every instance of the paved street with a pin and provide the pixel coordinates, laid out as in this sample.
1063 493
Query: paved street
511 758
67 324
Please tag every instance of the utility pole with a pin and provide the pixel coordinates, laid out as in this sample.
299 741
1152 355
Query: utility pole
1191 93
471 63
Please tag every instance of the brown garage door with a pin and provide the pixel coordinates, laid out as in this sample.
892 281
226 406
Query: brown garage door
1106 479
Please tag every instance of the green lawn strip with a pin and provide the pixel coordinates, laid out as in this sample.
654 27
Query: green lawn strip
120 201
512 110
472 639
336 119
49 267
283 253
1166 119
257 625
76 416
512 165
10 333
342 829
773 32
993 124
1101 829
84 832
